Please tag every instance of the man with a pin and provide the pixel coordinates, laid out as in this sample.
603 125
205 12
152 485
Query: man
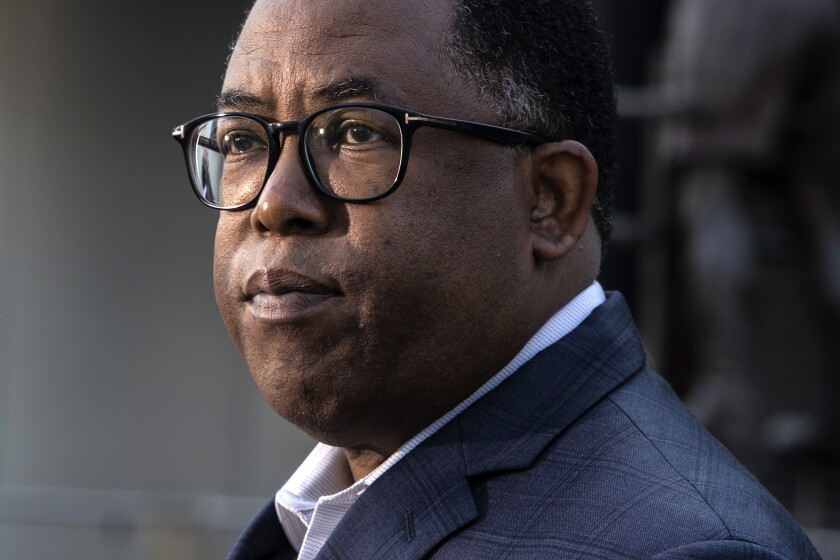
417 292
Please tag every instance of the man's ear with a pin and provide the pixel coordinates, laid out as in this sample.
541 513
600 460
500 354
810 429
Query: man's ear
565 177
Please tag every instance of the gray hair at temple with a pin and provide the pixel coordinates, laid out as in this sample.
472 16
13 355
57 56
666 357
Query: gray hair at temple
545 64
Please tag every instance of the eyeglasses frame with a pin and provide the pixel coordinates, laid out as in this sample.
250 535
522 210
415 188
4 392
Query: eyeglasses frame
409 121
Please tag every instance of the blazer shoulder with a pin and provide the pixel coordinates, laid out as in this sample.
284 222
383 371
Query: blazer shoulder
667 429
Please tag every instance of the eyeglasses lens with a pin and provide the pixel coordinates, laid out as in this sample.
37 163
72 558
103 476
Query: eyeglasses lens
229 160
355 151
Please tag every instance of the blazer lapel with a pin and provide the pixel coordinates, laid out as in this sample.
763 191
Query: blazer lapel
411 508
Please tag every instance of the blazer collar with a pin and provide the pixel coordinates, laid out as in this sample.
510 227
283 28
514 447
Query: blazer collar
511 425
426 496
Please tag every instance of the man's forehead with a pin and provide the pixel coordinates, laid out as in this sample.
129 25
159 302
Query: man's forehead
314 52
312 21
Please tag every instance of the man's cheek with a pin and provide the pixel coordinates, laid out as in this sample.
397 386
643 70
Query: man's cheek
227 294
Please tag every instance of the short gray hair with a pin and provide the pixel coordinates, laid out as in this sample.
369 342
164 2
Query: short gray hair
545 65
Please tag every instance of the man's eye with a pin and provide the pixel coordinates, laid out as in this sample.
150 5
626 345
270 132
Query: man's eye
241 142
355 133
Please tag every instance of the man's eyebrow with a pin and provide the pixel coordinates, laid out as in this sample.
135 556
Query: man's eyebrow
239 100
332 93
346 90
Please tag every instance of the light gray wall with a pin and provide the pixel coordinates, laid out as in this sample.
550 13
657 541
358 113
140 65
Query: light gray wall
128 426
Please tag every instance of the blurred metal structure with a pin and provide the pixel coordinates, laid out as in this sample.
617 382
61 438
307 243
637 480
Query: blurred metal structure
736 234
749 153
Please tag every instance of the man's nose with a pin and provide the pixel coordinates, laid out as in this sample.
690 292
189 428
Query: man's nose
289 204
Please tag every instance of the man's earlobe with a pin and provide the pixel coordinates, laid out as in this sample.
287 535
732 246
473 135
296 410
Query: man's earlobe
565 177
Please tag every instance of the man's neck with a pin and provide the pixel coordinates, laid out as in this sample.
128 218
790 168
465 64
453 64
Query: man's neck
362 462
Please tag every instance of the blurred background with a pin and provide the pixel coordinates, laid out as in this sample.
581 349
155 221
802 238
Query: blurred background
129 427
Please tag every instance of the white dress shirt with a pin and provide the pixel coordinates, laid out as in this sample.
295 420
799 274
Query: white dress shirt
318 495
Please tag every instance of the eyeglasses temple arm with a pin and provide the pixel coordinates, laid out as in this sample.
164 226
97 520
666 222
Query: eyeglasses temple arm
491 132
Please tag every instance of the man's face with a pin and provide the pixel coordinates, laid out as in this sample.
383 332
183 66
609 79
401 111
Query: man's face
362 323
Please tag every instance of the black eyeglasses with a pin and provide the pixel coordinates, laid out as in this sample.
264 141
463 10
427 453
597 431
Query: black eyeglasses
353 152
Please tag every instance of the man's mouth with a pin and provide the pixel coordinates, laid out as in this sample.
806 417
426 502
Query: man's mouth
281 295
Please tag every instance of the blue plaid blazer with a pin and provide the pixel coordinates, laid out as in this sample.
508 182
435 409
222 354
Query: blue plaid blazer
584 453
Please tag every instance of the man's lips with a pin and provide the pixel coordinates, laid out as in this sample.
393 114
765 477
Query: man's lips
281 295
